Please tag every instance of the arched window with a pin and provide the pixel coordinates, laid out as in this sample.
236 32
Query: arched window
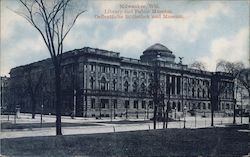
92 83
135 87
198 92
143 87
203 93
174 105
126 86
103 84
114 84
150 89
179 106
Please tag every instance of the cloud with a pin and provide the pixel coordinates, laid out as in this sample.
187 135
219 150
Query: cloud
24 52
233 48
9 21
189 27
133 39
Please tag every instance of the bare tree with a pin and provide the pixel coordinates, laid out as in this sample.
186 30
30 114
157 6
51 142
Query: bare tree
32 83
244 77
233 68
53 19
198 65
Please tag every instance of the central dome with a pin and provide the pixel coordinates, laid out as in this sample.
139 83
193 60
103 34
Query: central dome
155 51
158 47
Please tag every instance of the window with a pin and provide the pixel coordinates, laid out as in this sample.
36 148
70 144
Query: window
198 92
192 92
126 72
92 103
209 106
143 74
179 106
199 105
194 106
136 104
143 104
174 105
143 87
114 70
92 67
203 93
115 103
135 73
126 86
104 103
173 85
126 104
102 83
135 87
114 84
204 106
103 69
178 85
92 83
150 104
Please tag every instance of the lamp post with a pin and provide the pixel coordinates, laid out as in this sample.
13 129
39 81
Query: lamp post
195 117
185 108
41 123
74 110
175 112
156 88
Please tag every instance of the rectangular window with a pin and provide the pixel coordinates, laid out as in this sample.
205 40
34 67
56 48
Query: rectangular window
136 104
173 85
103 105
204 106
199 105
150 104
92 103
92 67
143 104
103 69
115 103
178 85
126 104
126 72
209 106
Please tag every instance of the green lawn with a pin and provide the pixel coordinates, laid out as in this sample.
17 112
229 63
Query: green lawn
169 142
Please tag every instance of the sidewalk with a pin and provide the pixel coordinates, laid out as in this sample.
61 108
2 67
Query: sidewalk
103 125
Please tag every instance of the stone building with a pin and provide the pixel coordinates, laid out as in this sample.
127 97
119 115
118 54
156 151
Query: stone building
98 82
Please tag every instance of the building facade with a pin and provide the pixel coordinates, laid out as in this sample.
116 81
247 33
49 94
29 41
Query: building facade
98 83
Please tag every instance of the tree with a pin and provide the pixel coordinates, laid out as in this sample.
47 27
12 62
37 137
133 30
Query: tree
233 68
198 65
244 77
32 83
53 19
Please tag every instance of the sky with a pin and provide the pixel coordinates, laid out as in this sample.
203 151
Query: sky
207 31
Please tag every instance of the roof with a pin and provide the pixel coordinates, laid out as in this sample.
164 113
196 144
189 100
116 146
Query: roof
158 47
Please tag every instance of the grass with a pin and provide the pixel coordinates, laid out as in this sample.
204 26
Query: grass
7 125
169 142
